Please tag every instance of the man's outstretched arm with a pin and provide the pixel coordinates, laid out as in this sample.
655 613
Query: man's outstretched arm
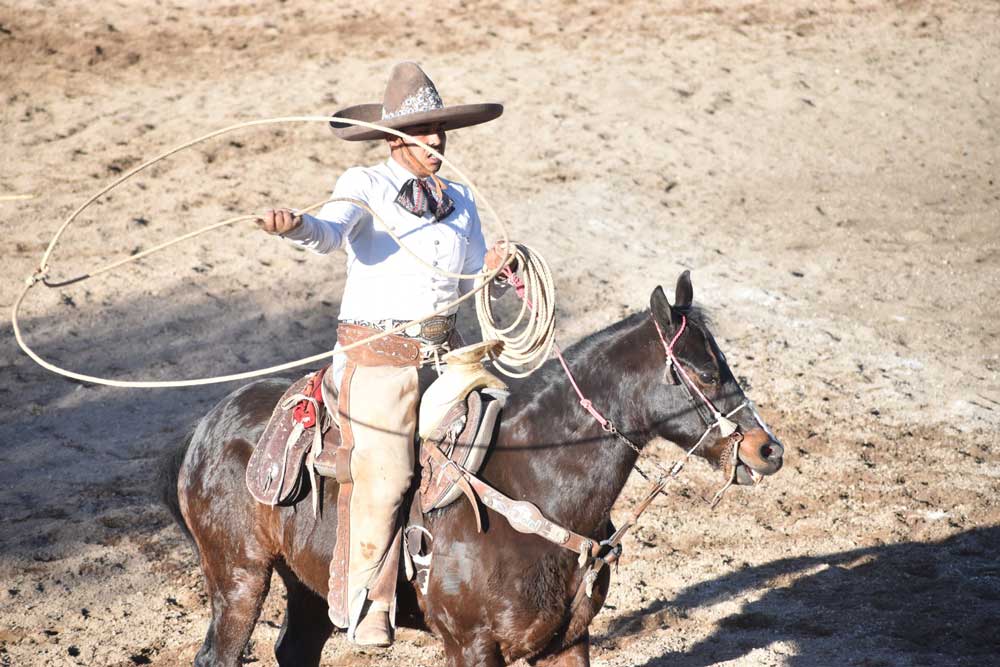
326 231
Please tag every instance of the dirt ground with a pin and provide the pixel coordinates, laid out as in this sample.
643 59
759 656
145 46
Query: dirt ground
830 172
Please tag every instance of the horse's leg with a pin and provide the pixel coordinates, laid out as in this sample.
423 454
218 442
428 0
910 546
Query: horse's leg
234 535
236 587
480 651
306 626
577 655
236 564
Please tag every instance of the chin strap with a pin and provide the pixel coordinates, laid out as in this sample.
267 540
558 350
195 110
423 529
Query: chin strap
414 167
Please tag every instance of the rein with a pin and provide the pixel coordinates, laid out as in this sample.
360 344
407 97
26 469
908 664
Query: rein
610 549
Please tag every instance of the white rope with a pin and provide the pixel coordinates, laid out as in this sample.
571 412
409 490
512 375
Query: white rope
529 338
43 267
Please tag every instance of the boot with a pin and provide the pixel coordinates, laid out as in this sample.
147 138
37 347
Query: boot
374 629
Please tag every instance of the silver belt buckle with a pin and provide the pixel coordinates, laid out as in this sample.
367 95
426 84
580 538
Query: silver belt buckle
436 330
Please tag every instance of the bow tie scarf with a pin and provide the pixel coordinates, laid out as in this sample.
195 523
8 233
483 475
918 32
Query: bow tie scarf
418 197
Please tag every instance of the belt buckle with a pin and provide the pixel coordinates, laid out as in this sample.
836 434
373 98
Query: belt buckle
414 330
436 330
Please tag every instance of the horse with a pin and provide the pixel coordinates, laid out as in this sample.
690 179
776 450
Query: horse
496 596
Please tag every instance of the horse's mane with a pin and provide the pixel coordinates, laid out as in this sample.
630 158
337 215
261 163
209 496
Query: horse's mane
701 318
587 346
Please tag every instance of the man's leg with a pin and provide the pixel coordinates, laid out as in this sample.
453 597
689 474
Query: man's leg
383 414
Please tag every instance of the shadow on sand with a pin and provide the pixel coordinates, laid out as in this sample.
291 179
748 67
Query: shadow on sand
911 603
72 451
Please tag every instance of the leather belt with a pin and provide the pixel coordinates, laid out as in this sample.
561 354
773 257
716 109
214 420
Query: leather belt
434 331
390 350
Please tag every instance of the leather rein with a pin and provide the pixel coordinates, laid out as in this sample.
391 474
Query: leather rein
595 555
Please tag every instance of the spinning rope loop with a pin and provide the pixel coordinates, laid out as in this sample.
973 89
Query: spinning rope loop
541 289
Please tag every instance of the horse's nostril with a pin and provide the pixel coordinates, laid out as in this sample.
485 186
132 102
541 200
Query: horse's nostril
772 451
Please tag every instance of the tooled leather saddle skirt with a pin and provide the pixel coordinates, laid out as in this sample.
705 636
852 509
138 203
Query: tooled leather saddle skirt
287 452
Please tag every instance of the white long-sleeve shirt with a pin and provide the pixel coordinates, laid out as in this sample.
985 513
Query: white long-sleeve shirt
384 281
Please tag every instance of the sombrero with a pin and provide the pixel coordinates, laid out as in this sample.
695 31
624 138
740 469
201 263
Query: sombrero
410 99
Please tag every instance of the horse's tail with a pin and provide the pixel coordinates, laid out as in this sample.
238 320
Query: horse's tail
170 468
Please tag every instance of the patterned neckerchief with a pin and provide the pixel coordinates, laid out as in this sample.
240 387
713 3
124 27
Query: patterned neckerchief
418 197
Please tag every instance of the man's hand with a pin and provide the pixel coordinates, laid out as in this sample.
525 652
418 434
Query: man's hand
279 221
496 255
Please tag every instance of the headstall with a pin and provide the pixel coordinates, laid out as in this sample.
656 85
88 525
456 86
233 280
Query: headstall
596 556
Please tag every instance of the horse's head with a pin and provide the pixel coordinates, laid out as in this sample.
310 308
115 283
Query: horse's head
701 399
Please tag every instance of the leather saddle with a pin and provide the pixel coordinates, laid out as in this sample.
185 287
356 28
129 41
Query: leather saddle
464 436
302 439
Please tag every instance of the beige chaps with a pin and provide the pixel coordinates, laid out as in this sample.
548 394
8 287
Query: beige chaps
378 409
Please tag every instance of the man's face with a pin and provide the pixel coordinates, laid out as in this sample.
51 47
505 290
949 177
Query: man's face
415 158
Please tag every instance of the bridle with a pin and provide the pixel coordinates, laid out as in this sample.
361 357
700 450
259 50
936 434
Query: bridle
609 549
713 417
710 415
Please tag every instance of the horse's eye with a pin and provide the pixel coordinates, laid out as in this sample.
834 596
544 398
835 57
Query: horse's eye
706 377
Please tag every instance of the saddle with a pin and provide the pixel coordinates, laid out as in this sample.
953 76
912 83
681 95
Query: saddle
458 413
302 439
463 436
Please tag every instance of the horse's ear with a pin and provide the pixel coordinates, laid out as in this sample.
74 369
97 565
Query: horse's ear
684 294
660 307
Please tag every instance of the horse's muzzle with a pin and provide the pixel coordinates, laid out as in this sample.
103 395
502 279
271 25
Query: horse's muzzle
760 453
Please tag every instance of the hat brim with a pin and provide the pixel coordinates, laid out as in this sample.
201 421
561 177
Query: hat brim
450 118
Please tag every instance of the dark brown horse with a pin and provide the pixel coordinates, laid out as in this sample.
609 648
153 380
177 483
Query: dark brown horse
493 597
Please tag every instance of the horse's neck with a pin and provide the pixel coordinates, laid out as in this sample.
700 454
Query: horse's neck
554 453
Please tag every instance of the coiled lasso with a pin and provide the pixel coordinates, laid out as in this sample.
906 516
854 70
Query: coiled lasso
519 344
529 338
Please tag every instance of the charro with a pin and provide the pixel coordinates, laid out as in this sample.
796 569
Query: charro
377 383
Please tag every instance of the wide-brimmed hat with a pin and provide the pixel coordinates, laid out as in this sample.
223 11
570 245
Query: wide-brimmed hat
410 99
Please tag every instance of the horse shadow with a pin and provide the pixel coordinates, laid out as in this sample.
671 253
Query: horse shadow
911 603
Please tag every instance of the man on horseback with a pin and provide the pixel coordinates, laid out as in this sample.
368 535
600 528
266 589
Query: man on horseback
378 392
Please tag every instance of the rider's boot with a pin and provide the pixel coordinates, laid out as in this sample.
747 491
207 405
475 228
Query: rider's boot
374 628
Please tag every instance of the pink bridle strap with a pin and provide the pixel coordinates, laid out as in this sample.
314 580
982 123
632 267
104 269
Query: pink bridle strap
723 422
518 285
584 401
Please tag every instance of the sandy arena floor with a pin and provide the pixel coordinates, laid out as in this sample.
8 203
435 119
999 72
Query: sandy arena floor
830 172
